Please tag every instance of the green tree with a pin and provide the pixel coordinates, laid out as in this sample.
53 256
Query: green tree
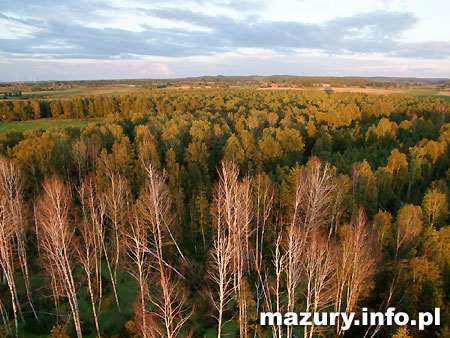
233 150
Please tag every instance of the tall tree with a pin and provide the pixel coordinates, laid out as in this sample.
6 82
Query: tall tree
138 251
57 239
115 200
11 190
220 269
6 259
355 265
154 207
91 245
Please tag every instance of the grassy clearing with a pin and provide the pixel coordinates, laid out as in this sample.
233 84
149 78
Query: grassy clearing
418 92
83 91
55 93
44 124
443 97
425 93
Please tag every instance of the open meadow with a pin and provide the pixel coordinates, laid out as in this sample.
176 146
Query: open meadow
84 91
44 124
78 91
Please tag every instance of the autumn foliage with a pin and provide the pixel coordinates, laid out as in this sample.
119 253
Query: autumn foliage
186 213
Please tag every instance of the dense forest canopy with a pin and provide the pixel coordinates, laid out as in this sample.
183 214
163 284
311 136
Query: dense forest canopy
187 212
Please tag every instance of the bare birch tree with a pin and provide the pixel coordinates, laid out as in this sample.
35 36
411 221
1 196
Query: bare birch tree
86 254
293 251
115 201
241 251
301 251
310 213
11 190
264 196
319 270
275 291
93 214
154 208
56 239
314 190
355 266
138 251
89 250
235 201
220 269
6 259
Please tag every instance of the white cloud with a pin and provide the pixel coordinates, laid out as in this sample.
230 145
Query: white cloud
172 38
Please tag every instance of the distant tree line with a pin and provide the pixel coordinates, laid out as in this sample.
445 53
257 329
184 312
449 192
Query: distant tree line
220 81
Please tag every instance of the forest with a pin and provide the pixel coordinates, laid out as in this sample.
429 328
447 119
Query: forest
186 213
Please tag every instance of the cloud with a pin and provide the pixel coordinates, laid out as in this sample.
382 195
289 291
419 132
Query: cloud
27 22
83 29
84 10
425 50
362 33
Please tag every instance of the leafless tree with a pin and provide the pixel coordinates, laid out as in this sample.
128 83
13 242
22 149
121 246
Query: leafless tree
56 239
314 194
235 199
245 215
89 249
294 243
115 201
93 226
56 286
241 249
138 251
300 252
319 270
264 195
220 269
86 254
171 307
6 259
276 290
355 265
11 191
154 207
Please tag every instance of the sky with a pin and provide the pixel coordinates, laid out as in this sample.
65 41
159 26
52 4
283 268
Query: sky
124 39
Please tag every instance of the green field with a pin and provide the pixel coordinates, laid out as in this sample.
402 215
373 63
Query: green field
418 92
443 97
44 124
83 91
423 93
